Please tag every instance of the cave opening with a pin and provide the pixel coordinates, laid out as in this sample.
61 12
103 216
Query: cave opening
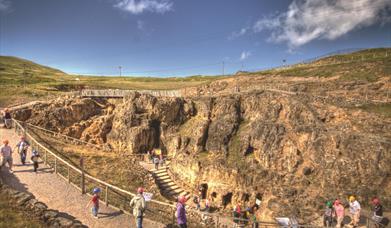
204 190
249 150
227 199
155 125
214 195
246 197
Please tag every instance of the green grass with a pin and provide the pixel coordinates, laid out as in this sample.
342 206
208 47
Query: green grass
367 65
382 109
12 217
22 80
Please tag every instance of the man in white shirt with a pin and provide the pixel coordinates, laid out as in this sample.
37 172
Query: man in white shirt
6 155
355 210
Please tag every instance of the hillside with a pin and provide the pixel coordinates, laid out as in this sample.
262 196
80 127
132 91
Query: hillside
22 80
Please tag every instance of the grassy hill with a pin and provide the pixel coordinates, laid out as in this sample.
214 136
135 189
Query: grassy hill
22 80
367 65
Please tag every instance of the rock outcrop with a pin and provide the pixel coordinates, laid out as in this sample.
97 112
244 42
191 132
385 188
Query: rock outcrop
292 152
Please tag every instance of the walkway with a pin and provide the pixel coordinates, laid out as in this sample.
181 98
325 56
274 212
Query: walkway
59 195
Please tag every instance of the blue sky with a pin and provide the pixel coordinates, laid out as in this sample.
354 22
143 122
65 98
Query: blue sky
186 37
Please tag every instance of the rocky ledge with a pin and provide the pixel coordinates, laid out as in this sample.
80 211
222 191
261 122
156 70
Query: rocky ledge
28 202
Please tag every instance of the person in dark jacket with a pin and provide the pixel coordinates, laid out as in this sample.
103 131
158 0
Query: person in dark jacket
377 212
181 212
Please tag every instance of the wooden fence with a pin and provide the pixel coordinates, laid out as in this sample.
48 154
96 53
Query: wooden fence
116 93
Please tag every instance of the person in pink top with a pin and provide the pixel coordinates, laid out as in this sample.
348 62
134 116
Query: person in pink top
339 212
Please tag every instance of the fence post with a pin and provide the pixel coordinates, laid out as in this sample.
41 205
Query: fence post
55 165
106 196
46 157
83 190
69 175
173 217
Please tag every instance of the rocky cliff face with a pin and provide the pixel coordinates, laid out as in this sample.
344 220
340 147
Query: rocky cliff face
293 152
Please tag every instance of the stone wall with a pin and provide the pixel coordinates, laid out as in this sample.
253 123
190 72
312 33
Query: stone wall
28 202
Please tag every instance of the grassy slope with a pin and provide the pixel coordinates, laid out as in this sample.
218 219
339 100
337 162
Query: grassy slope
22 80
365 65
11 217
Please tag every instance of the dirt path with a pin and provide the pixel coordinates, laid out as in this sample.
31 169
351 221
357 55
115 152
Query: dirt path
57 194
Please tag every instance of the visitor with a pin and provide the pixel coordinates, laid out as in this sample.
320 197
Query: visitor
181 212
156 162
22 146
150 156
7 118
355 210
207 205
196 201
6 155
138 205
95 202
339 212
328 214
34 158
377 212
237 213
255 223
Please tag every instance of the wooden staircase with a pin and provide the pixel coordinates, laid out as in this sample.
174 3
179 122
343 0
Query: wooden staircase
167 186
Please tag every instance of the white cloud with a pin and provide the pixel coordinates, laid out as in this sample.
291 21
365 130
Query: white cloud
245 55
4 5
140 6
307 20
239 33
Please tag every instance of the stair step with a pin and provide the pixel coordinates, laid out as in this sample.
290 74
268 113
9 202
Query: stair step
161 174
163 178
167 185
171 188
175 192
165 181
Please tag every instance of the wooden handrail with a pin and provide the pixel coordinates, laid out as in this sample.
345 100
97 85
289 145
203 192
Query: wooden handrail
79 171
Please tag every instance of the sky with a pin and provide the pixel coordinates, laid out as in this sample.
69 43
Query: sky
186 37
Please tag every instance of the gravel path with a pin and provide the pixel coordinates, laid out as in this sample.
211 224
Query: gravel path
59 195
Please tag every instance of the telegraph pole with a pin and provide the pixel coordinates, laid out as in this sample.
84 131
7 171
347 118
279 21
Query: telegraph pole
120 71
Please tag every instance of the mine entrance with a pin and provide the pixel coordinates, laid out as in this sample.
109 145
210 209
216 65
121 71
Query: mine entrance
204 191
155 125
227 199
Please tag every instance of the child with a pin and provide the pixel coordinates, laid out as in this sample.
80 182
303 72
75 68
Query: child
339 212
328 214
95 202
156 162
196 201
34 159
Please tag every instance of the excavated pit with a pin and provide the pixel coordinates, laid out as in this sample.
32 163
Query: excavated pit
291 152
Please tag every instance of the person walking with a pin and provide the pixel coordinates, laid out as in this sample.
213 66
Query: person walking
22 146
95 202
328 214
377 212
7 118
34 158
339 211
355 210
6 155
181 212
138 205
156 162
